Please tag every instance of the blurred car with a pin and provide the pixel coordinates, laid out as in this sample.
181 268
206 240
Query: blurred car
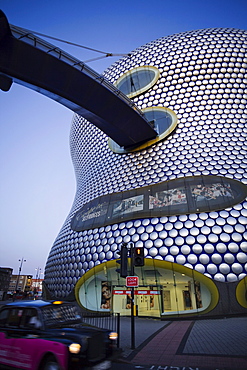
51 335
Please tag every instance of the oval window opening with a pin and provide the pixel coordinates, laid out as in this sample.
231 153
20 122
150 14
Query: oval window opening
163 120
137 80
178 291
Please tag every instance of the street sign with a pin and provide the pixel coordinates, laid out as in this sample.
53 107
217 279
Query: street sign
132 281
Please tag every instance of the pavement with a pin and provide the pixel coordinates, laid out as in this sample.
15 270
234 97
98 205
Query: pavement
205 344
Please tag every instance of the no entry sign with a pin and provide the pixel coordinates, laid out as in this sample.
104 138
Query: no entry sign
132 281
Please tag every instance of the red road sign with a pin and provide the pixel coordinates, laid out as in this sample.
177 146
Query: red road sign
132 281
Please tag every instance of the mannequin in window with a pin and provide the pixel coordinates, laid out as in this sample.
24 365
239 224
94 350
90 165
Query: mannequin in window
106 296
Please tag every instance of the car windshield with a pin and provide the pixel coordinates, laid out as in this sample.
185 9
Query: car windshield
60 315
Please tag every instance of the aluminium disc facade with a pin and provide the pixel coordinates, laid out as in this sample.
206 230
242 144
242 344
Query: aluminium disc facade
202 80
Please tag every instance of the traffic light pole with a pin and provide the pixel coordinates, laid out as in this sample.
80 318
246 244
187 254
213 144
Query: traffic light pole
132 273
123 261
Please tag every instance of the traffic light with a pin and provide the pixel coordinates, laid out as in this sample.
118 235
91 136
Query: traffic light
123 261
139 256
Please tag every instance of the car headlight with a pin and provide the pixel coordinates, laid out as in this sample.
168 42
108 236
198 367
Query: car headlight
113 335
74 348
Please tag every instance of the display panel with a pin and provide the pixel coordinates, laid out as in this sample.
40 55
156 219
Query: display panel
128 205
179 196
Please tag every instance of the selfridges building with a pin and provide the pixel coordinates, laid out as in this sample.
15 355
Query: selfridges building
181 196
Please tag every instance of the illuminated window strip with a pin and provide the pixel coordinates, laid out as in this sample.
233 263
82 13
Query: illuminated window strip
145 202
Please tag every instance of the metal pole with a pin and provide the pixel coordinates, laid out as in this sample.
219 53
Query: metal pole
18 277
36 287
132 298
118 329
132 319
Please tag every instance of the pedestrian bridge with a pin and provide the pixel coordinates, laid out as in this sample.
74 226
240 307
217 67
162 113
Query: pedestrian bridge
32 62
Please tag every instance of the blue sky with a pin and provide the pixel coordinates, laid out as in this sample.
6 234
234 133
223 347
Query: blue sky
37 177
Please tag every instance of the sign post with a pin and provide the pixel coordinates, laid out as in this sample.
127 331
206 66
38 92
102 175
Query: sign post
132 280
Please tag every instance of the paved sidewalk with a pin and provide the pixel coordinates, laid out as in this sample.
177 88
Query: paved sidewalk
201 344
144 330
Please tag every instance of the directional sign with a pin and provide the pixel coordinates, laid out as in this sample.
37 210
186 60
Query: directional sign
132 281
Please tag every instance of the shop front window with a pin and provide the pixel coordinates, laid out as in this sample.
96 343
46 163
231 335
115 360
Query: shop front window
165 289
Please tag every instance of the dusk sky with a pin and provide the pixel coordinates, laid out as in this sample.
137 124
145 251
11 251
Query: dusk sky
37 177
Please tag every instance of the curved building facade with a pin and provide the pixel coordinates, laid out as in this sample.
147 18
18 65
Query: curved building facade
182 196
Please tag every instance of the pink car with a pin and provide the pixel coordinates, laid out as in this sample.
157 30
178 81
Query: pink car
50 335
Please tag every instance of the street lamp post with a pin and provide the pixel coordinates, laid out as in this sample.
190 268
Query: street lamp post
18 278
38 269
37 277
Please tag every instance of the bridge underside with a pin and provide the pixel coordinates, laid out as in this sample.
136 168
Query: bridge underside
32 67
